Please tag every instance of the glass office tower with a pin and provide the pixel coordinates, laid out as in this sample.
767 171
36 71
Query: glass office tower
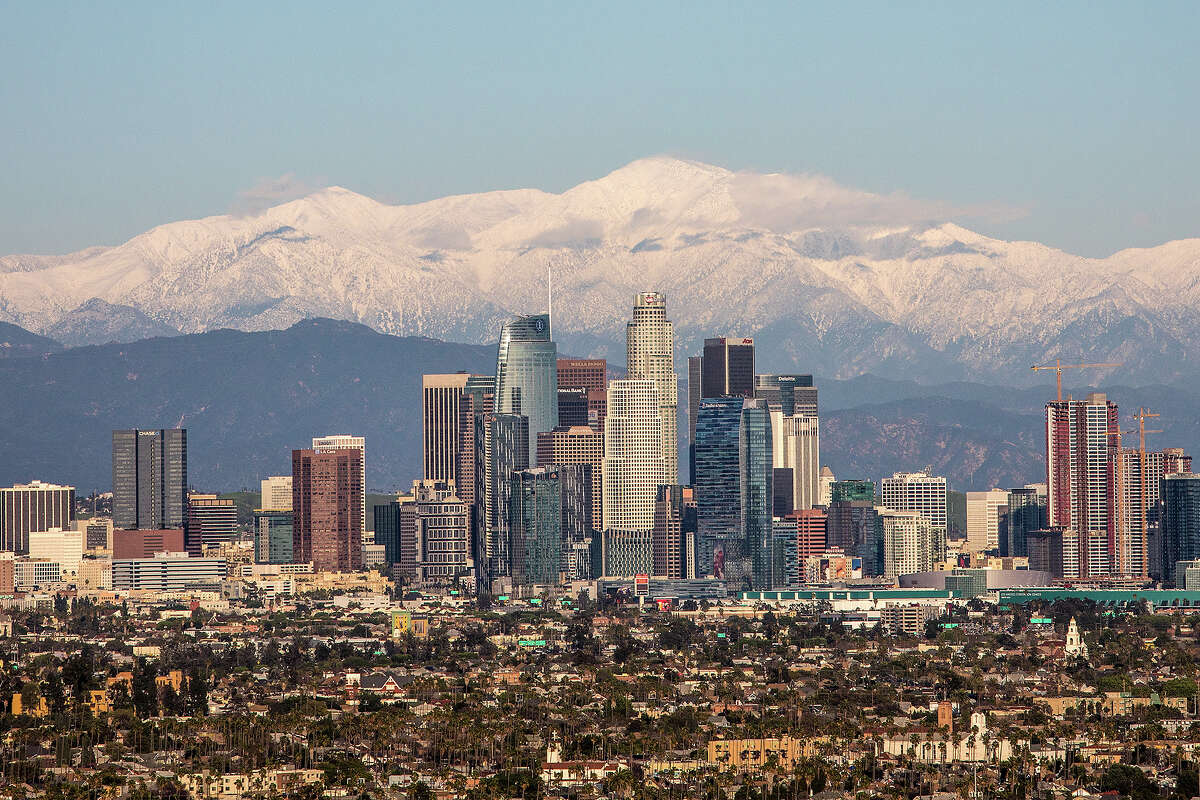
527 375
756 490
717 484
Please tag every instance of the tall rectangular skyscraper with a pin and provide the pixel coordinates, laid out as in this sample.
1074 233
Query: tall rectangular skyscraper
650 355
212 521
727 369
337 442
327 496
796 442
789 394
1180 522
983 519
1026 514
1081 437
150 480
527 375
1135 498
477 401
919 492
578 445
504 450
633 460
717 483
589 374
755 488
441 423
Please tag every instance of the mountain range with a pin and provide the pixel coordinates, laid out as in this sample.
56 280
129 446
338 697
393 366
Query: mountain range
828 280
248 399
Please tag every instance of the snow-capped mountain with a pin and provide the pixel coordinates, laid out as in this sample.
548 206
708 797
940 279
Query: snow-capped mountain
827 279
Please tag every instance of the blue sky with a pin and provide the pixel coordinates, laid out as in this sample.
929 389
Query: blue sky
118 117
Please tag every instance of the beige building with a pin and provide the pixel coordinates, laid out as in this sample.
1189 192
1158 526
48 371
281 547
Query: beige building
277 493
633 459
782 753
65 547
983 519
577 444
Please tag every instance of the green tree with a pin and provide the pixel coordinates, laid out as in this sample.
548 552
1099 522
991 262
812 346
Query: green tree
1129 781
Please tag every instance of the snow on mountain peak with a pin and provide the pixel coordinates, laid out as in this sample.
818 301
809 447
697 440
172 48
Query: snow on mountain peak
836 280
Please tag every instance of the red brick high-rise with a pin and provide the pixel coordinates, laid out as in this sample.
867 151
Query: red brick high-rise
811 525
327 509
1082 440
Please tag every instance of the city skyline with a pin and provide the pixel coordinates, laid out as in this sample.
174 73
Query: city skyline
645 401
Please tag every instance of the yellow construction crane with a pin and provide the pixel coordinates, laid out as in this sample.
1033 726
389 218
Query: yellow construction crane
1058 368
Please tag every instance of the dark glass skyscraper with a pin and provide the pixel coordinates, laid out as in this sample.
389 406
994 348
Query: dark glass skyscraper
852 490
536 524
273 537
791 394
1180 497
851 526
727 369
149 475
717 484
505 450
756 489
527 375
1026 514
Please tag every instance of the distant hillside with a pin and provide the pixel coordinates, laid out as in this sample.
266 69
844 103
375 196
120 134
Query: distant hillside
246 399
16 342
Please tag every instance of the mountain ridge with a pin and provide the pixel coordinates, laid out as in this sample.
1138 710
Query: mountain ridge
832 280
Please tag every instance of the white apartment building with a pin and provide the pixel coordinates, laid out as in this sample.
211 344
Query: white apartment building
910 543
919 492
65 547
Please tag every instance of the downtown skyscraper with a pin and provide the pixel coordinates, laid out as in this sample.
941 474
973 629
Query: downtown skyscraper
650 355
327 496
717 482
356 444
527 375
150 479
633 471
755 486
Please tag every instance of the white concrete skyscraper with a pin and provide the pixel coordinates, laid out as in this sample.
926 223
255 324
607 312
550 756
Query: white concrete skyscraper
800 445
919 492
633 461
650 355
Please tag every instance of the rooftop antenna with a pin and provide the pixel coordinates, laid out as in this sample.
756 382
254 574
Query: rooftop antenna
549 303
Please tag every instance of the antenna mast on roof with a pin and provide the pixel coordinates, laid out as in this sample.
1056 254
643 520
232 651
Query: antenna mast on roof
549 303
